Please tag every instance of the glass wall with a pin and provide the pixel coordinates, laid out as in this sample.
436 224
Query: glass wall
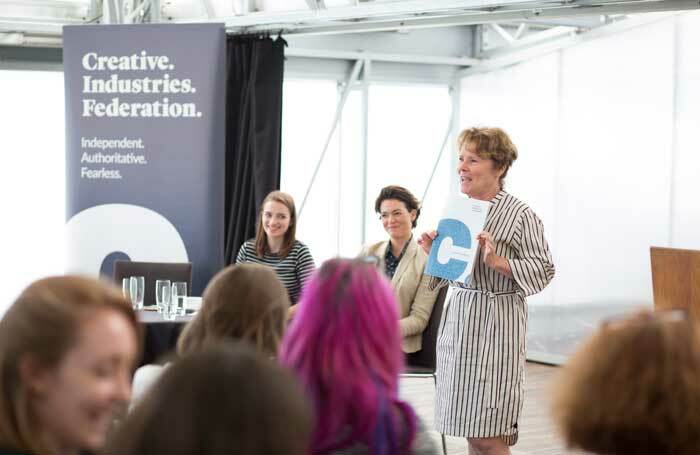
407 124
606 135
32 179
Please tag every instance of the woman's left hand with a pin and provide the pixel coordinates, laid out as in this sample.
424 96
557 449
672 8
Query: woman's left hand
488 248
491 259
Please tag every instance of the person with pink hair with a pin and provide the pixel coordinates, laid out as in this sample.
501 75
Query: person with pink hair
345 347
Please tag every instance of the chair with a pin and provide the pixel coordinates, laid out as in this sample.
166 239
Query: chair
152 271
675 276
421 364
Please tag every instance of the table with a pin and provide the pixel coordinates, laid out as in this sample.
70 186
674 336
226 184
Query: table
160 336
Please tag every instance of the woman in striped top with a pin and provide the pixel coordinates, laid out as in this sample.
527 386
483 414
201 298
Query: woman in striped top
481 342
275 245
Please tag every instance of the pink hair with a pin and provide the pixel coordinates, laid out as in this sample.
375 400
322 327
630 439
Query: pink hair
345 346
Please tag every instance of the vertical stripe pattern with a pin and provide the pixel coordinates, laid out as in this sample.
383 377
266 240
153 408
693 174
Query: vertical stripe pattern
481 343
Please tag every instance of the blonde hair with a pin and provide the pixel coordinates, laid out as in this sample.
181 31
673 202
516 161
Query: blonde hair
490 143
633 388
289 236
242 302
44 322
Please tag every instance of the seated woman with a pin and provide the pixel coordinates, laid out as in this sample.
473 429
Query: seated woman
634 388
68 346
275 245
222 400
403 262
242 302
345 347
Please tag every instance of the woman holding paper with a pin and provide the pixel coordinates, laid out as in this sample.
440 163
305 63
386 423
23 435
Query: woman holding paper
481 346
403 262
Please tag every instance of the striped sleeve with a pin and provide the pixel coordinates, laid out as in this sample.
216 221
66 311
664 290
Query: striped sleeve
305 265
241 257
533 268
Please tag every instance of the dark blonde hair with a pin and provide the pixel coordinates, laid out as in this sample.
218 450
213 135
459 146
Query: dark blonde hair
242 302
44 322
493 144
633 389
224 400
400 194
289 236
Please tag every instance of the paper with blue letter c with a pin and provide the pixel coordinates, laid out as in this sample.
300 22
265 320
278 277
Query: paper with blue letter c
454 249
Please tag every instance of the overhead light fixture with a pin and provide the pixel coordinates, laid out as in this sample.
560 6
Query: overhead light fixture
46 10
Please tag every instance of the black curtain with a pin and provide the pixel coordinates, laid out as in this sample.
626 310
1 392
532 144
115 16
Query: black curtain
255 71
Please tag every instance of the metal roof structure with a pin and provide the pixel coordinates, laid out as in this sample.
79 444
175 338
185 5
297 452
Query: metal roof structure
500 32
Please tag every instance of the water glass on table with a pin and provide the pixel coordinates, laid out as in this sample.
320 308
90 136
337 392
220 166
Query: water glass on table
126 285
136 289
179 297
162 295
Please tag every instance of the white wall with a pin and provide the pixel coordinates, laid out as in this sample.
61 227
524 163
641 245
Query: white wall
407 124
32 179
608 140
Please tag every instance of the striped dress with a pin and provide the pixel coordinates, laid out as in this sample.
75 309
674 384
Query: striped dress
481 342
293 270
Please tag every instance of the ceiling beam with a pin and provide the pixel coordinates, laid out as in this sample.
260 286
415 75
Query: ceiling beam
320 23
532 39
380 57
508 59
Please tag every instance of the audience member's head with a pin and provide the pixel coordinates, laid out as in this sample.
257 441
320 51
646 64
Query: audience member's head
392 198
68 347
277 218
345 347
223 400
634 388
242 302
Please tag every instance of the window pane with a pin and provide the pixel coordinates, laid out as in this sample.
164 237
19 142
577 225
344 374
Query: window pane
32 179
407 125
600 187
308 110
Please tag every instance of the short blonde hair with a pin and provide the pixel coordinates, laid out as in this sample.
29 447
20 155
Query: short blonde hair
490 143
633 388
44 322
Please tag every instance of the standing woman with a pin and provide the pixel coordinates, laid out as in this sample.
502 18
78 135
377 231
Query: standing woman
481 346
68 347
403 262
275 245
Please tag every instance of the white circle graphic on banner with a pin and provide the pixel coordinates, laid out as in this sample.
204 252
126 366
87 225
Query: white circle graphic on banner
140 233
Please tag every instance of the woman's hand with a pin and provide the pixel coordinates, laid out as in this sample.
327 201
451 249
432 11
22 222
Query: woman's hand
426 240
491 259
291 311
488 248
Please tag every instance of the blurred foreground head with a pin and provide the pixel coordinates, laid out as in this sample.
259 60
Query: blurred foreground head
634 388
242 302
345 347
227 399
68 347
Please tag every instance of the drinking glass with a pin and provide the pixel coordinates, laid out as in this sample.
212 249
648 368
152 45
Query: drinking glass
179 297
162 294
126 284
136 289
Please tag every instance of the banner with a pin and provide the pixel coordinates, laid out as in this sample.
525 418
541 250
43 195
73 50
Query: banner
145 146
